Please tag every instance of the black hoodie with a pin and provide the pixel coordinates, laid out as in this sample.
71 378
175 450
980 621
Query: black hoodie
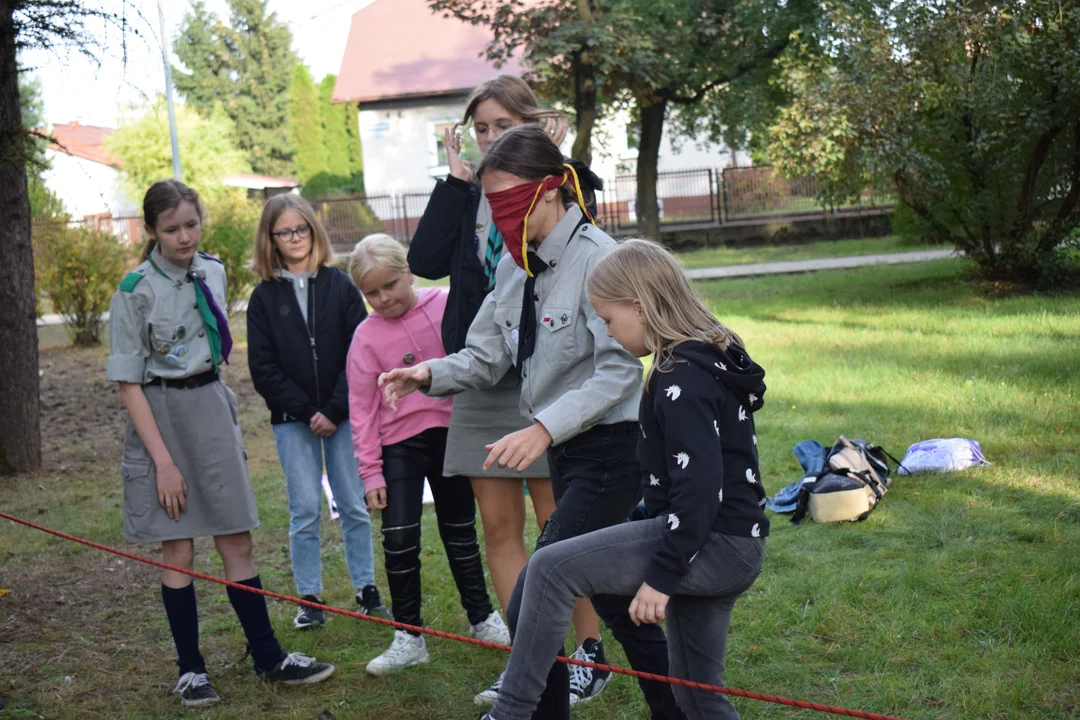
698 453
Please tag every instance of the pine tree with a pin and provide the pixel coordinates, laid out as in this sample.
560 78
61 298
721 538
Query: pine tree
246 66
356 156
336 134
306 126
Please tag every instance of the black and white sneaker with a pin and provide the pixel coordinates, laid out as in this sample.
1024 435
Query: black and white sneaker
368 602
585 682
489 696
195 689
297 669
309 617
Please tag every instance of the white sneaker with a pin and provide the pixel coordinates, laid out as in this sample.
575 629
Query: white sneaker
405 651
493 630
489 696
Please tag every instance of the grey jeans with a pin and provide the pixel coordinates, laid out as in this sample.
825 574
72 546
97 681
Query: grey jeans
613 561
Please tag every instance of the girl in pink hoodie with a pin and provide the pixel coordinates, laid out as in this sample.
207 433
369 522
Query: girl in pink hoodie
396 451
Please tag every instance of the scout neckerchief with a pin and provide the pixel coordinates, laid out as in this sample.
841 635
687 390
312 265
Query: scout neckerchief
217 325
510 210
492 256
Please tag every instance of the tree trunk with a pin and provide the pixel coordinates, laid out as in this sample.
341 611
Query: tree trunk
20 411
584 90
584 105
652 128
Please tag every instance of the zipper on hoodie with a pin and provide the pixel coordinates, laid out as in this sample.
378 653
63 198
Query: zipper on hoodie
311 337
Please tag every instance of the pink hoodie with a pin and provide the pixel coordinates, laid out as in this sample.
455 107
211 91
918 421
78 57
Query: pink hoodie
381 344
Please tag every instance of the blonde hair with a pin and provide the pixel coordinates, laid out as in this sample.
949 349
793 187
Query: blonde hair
377 251
642 270
266 258
512 93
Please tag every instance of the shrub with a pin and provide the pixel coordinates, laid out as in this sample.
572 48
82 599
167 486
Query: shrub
229 234
79 268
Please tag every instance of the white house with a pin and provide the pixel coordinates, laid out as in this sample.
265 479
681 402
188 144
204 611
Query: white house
409 71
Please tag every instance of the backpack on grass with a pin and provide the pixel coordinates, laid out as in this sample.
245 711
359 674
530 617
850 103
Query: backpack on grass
855 478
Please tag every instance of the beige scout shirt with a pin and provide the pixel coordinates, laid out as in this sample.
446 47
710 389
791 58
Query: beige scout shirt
155 330
577 377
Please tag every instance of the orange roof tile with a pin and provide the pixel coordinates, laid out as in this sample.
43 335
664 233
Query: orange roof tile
83 141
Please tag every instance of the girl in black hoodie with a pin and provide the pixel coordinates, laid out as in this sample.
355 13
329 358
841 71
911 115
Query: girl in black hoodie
703 542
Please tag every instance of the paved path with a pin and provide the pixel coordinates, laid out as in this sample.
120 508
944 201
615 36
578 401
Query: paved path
801 266
770 268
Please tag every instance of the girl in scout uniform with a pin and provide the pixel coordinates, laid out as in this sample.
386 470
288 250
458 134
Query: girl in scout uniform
184 465
579 388
456 237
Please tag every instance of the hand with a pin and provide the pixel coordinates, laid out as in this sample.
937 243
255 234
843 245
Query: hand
398 383
321 425
648 606
171 490
459 168
518 450
376 499
557 129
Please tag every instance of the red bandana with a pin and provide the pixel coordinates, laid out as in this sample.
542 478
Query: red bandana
510 210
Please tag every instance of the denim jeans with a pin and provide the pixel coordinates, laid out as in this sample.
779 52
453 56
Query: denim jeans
301 452
613 562
596 481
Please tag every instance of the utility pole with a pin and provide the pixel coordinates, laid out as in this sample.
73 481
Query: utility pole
169 94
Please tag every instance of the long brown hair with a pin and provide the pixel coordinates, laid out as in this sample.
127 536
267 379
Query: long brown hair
165 195
266 259
527 152
642 270
512 93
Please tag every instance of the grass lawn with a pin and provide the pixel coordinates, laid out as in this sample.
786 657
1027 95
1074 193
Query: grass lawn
958 598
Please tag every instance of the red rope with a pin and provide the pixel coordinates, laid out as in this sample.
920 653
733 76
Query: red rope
460 638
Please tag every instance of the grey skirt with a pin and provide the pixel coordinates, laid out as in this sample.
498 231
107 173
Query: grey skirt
479 418
201 430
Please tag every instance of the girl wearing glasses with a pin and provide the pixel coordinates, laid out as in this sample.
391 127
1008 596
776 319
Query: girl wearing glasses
456 237
301 318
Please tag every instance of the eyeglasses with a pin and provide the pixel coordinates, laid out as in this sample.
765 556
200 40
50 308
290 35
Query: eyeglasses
303 232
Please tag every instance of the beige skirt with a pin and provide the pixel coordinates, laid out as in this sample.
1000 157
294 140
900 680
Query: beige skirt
201 430
479 418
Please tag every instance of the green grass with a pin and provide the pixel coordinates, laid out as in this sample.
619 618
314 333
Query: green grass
959 597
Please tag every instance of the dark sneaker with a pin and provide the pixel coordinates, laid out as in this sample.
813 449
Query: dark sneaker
297 669
195 689
309 617
585 682
368 602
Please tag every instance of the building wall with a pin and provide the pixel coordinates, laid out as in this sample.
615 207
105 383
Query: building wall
400 146
85 187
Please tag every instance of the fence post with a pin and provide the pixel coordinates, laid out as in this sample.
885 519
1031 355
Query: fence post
712 198
725 214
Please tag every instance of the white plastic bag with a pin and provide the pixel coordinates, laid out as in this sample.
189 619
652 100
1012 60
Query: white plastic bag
942 455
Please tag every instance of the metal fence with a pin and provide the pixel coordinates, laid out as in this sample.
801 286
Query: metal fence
706 196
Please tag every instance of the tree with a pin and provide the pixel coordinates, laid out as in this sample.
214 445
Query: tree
25 24
43 202
306 126
970 111
245 66
206 147
690 54
339 158
343 173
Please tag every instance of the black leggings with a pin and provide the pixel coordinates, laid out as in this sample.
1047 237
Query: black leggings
405 465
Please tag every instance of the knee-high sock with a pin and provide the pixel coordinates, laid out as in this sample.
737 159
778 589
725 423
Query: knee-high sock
254 618
183 614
